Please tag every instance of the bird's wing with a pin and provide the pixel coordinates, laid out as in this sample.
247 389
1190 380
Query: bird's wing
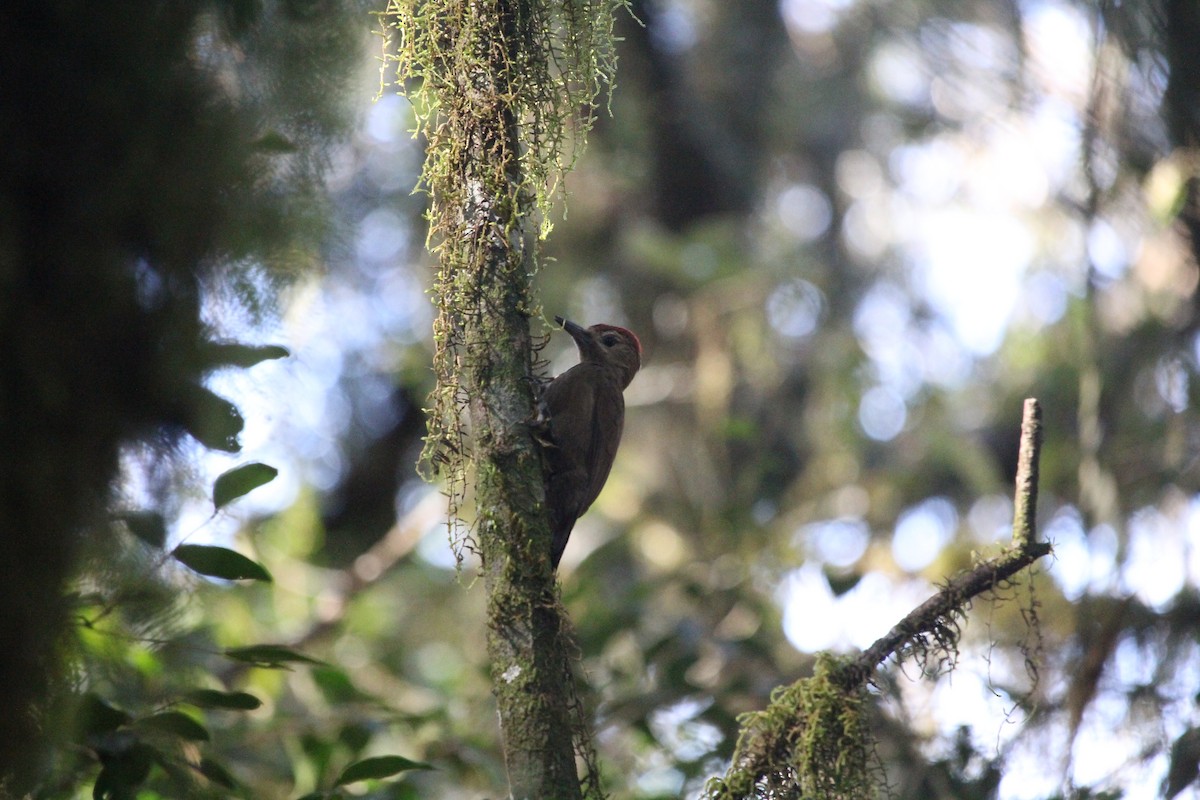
586 416
608 413
569 403
570 406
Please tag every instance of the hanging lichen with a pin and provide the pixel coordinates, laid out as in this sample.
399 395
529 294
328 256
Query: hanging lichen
536 70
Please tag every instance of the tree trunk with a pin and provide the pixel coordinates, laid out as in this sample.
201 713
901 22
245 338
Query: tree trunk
530 670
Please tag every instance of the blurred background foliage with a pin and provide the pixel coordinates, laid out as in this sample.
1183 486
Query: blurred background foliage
852 237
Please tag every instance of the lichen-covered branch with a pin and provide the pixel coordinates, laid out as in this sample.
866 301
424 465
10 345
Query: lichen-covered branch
811 742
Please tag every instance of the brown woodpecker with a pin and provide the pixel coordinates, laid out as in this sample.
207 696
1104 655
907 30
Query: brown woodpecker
586 413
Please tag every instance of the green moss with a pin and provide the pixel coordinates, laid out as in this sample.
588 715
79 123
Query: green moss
811 742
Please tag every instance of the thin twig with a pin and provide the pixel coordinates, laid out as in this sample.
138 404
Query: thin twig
1025 498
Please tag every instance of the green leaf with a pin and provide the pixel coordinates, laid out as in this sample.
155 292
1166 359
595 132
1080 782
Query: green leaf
275 142
269 656
355 736
217 773
378 767
241 480
213 421
318 751
336 686
235 354
149 526
841 582
175 723
96 716
124 772
230 701
220 562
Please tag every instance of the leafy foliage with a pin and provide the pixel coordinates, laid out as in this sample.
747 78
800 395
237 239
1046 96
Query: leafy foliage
150 660
137 200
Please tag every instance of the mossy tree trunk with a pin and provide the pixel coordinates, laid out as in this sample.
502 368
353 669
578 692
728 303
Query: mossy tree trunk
484 223
504 90
529 668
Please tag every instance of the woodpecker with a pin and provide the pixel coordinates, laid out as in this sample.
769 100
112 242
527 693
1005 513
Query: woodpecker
585 411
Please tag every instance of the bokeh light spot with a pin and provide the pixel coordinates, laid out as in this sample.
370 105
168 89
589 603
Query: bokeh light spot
804 211
882 413
794 309
837 542
922 532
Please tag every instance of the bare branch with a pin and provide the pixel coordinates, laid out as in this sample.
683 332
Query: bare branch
1025 498
937 613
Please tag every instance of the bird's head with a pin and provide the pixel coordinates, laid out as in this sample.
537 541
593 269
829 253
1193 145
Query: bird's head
610 345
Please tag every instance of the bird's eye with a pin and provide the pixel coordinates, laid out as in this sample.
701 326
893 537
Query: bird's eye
610 339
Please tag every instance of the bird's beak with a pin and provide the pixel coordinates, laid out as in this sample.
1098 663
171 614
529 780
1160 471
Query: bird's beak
577 331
